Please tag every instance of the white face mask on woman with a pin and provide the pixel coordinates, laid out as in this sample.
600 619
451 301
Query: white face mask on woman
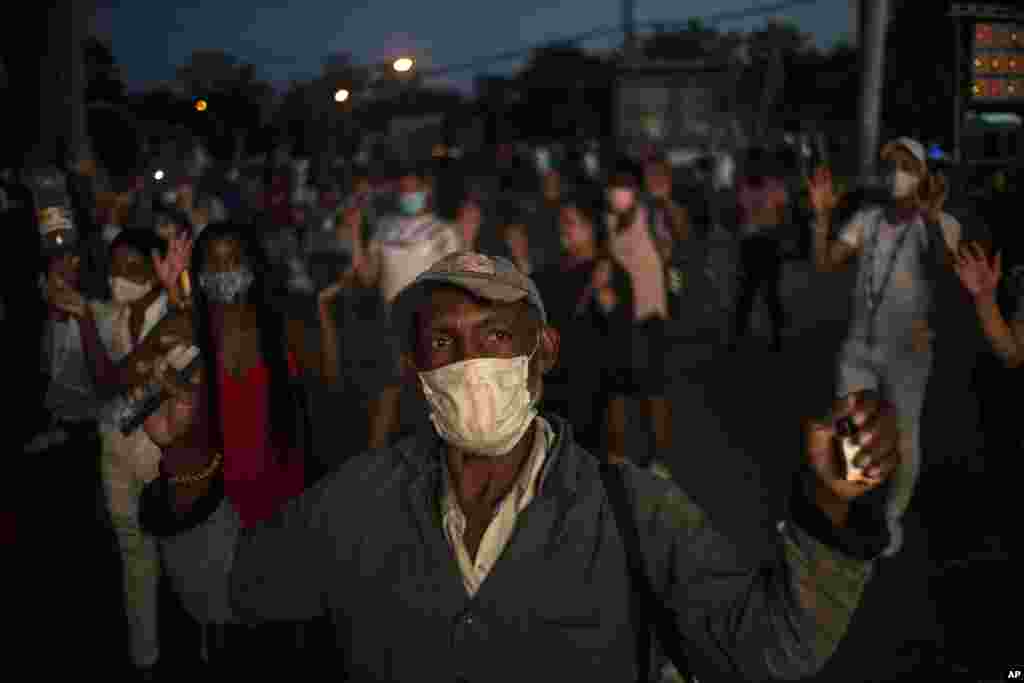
902 184
124 291
483 405
621 199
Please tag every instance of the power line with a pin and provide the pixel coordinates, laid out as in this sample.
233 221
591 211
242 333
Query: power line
602 31
524 52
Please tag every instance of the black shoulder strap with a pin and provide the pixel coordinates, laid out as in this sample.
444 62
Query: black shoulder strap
645 605
936 242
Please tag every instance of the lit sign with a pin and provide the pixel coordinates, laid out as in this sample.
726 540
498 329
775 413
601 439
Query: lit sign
998 88
1002 35
998 61
1001 118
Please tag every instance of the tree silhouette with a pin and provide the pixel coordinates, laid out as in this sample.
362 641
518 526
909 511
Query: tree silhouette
697 41
237 102
104 82
565 93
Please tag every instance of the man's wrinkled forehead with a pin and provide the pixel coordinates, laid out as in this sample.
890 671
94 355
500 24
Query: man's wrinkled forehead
450 307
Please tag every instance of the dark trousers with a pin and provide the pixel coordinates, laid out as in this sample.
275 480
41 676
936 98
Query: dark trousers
760 271
69 552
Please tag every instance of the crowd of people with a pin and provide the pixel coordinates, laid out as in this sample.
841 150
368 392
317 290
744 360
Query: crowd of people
522 322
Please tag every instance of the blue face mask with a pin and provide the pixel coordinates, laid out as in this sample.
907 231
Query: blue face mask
411 203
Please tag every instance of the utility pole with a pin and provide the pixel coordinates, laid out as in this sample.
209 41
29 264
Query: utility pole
628 29
875 21
62 84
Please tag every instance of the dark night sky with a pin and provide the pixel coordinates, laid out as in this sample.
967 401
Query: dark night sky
289 40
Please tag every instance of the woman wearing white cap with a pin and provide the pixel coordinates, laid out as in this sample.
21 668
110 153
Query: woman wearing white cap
889 343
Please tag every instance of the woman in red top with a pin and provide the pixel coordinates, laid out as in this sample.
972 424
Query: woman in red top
246 431
255 413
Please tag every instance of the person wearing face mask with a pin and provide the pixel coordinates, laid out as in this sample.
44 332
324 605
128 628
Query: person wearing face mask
144 284
140 265
114 213
902 250
401 247
252 420
633 244
491 531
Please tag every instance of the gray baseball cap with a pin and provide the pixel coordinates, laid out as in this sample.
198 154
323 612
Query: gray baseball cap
492 278
915 148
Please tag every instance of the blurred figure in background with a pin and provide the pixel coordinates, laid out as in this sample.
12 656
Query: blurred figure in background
143 269
401 247
762 200
589 301
632 244
542 217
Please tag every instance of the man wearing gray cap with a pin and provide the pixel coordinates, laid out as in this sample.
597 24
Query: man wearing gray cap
491 547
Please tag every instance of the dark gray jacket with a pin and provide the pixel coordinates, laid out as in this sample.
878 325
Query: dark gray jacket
366 546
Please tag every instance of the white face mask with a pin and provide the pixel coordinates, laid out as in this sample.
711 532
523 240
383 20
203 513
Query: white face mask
483 405
903 184
124 291
621 199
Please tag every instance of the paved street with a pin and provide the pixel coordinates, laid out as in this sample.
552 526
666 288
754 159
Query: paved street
737 422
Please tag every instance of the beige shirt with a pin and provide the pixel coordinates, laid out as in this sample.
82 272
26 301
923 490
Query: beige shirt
499 531
635 250
406 246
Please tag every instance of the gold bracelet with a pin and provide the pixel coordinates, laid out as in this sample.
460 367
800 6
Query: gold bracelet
200 476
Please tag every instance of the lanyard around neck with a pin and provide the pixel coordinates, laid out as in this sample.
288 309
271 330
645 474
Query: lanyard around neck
876 295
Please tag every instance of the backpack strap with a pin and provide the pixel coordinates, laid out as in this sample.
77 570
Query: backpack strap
645 605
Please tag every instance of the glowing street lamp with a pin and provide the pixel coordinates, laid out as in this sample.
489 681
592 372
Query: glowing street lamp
201 105
341 95
403 64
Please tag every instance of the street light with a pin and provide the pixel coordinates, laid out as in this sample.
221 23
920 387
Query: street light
341 95
403 64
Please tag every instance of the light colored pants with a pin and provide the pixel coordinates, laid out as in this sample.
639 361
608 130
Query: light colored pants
127 465
900 375
198 563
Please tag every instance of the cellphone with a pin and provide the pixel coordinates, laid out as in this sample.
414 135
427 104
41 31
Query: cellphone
847 430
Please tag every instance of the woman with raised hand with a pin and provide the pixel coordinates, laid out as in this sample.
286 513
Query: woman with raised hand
247 424
903 249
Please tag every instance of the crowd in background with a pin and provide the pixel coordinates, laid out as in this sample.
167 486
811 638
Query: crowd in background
612 247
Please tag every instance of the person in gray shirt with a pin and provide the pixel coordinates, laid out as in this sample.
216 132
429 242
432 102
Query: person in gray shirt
490 533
